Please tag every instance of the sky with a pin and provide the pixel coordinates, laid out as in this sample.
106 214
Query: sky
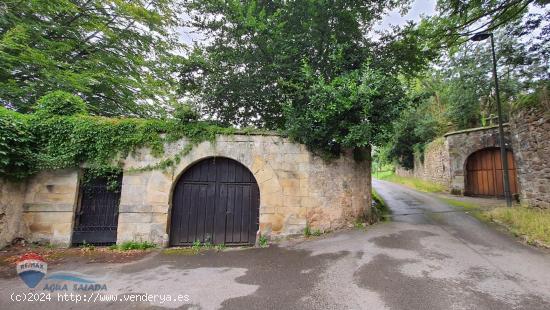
418 9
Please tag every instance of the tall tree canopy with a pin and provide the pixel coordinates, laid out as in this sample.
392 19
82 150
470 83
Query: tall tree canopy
117 55
457 20
458 92
310 66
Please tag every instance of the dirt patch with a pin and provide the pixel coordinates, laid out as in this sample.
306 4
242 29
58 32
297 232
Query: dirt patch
56 256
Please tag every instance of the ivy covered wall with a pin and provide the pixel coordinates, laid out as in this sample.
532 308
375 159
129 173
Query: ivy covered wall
62 135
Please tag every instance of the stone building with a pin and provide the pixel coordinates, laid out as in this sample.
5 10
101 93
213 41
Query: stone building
225 191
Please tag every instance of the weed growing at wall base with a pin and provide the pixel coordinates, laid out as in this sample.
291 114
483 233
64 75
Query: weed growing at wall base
133 245
308 232
381 211
264 243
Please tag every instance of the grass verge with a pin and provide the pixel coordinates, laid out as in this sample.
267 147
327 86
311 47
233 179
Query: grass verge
380 209
411 182
471 208
530 224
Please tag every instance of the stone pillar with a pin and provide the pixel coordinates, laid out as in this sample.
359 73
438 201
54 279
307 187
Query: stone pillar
143 210
49 206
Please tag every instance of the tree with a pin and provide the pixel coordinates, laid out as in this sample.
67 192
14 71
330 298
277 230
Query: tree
458 92
264 61
117 55
466 85
352 111
416 126
457 20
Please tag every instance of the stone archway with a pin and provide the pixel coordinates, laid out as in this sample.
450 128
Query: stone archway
462 144
216 200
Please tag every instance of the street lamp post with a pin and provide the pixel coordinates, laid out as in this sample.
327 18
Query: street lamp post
503 157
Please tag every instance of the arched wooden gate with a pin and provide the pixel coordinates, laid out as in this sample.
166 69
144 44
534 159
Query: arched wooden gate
484 175
216 200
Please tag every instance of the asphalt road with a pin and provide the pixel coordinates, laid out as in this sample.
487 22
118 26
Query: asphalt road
428 257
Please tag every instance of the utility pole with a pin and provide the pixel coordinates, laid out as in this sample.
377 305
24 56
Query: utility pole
503 155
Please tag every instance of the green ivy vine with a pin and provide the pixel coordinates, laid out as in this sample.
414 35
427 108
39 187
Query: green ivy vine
42 141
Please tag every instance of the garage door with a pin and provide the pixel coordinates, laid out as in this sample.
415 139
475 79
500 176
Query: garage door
484 174
216 200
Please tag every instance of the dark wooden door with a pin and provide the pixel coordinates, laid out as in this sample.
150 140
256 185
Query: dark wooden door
484 175
96 220
217 200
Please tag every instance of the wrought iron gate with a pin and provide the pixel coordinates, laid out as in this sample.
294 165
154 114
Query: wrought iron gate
217 200
96 219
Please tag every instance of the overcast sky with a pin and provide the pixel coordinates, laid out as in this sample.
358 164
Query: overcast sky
418 9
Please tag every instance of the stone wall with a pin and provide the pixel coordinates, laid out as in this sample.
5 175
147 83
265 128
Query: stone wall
527 135
531 144
11 207
296 188
49 204
434 167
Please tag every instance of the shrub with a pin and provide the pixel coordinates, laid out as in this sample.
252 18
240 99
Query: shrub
351 111
186 113
538 98
60 103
